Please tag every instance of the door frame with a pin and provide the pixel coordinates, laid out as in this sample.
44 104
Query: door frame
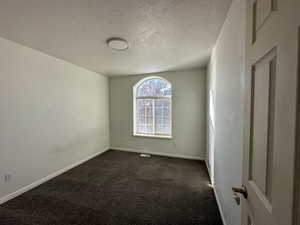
297 152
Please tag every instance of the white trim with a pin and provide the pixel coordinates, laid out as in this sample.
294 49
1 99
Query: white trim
219 206
159 153
154 97
209 170
216 196
296 211
153 136
135 87
47 178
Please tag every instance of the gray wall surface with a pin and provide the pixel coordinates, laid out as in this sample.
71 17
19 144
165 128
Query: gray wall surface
188 115
226 75
53 114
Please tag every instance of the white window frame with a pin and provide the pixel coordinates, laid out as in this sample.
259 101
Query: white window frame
135 87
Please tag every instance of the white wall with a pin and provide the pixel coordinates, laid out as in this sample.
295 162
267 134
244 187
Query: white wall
189 115
226 82
53 114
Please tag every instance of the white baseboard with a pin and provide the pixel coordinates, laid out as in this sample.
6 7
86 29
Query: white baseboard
219 206
216 196
209 171
158 153
45 179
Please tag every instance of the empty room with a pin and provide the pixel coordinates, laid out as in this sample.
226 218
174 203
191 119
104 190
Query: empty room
149 112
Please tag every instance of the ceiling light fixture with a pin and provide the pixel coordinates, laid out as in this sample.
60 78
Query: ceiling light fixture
117 43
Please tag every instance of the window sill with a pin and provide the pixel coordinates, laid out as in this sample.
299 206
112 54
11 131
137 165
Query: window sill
153 136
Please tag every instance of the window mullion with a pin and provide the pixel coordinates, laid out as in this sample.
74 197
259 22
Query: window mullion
153 116
153 97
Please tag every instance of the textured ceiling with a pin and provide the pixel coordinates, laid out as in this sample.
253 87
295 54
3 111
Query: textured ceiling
163 35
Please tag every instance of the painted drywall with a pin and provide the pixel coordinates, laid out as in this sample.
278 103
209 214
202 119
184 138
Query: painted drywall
226 87
53 114
188 115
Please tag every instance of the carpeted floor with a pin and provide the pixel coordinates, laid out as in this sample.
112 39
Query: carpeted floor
119 188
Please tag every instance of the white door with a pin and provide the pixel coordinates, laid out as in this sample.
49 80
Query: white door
271 111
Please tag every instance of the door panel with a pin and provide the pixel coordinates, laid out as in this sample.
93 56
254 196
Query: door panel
262 114
249 221
264 9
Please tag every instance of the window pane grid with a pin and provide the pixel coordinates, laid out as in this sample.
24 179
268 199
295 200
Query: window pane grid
153 108
154 87
153 116
162 116
145 116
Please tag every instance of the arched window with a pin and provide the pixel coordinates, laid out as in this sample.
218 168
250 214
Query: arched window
152 107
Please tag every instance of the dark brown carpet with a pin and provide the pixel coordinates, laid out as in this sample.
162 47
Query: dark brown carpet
119 188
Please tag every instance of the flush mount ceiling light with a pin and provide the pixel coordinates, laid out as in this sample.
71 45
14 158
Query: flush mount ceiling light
117 43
